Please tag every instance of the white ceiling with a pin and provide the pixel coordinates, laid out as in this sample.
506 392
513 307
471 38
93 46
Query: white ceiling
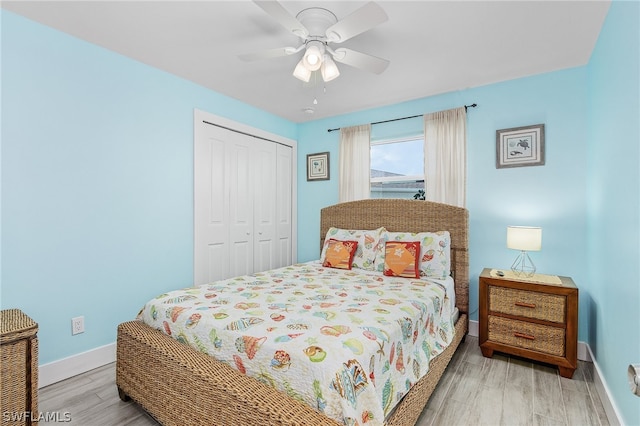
434 46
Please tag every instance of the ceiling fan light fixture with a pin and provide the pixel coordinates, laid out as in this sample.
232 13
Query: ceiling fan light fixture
329 69
301 72
313 55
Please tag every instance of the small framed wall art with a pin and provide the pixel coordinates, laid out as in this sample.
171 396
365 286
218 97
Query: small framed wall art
520 146
318 166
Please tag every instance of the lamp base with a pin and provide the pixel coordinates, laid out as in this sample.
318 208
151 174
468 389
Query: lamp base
523 266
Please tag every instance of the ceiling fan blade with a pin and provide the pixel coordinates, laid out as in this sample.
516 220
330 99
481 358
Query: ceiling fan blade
360 60
363 19
269 54
284 18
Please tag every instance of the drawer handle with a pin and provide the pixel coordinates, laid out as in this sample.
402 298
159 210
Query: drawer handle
524 336
526 305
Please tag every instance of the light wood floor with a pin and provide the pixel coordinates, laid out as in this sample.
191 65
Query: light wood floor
473 391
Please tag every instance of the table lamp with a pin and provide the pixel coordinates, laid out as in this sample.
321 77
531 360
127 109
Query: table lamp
524 238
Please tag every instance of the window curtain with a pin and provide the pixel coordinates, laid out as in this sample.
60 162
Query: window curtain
354 173
445 156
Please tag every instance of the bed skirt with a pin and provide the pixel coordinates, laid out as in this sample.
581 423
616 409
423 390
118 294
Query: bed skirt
178 385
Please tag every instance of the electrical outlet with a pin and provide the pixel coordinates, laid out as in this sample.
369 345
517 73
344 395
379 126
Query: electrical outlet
77 325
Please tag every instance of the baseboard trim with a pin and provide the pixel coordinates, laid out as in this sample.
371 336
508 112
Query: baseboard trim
66 368
474 329
610 407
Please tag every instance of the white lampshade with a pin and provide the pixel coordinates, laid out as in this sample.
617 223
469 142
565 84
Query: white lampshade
329 69
301 72
525 238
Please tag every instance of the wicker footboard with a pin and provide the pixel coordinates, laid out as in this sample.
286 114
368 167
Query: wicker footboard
178 385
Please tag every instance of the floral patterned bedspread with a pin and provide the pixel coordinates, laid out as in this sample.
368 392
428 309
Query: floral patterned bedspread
346 342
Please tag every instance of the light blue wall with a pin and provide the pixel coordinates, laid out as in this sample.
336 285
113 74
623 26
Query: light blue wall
614 195
97 182
552 196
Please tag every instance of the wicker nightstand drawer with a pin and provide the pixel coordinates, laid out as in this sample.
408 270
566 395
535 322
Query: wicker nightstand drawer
531 317
529 304
535 337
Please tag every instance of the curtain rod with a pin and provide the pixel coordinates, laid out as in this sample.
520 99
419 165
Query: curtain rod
473 105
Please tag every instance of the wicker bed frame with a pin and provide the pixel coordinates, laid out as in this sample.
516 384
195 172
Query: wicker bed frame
178 385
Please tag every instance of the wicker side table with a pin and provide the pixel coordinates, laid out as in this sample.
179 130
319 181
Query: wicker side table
19 364
535 318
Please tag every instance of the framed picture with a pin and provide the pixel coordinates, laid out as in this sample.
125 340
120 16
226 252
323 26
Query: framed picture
520 146
318 166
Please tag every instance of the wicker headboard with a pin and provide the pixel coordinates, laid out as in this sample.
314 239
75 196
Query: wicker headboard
398 215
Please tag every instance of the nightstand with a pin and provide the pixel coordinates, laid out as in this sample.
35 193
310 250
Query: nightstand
19 372
535 318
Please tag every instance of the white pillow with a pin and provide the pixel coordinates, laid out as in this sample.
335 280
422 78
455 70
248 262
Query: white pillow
368 243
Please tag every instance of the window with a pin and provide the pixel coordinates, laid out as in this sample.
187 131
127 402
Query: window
397 167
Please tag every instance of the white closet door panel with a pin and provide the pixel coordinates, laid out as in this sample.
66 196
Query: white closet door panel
240 205
283 251
265 206
284 184
264 255
211 236
217 263
241 258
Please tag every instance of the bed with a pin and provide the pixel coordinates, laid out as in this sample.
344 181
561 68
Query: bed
179 385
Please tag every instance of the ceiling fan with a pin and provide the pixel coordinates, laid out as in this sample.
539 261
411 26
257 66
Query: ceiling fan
319 29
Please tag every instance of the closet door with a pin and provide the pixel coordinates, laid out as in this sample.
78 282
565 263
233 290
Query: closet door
284 195
239 165
264 210
235 205
243 221
211 213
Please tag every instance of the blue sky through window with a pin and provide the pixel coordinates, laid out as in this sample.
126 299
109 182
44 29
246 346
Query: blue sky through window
404 158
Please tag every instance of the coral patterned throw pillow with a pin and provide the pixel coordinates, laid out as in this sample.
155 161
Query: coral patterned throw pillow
340 254
402 259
